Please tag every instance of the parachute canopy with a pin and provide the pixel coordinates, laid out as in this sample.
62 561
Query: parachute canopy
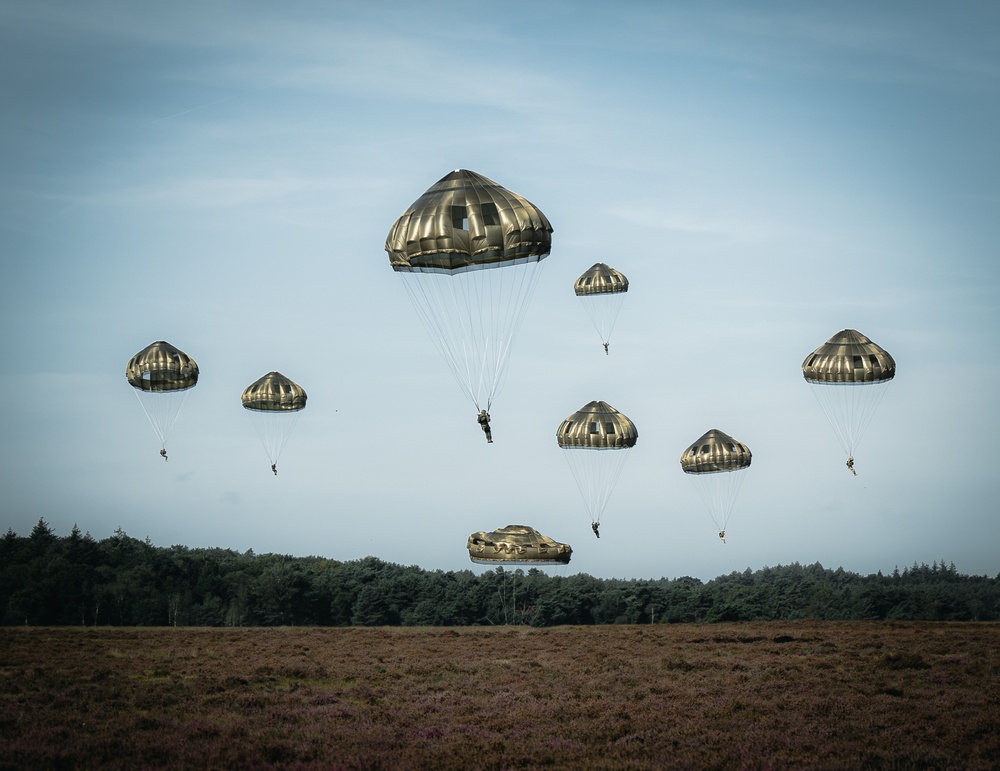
849 357
715 451
161 367
162 377
601 289
848 375
600 279
274 403
597 439
718 465
274 393
516 544
597 426
467 222
470 253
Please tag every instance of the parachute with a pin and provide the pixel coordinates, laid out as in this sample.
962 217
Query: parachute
470 253
517 545
718 465
162 377
849 374
601 289
597 439
274 403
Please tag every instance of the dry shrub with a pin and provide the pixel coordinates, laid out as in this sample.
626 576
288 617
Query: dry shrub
817 695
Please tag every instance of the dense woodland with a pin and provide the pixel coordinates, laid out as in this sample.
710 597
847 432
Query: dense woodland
122 581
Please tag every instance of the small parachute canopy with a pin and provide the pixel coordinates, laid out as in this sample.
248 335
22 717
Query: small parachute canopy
162 376
718 465
848 376
597 426
600 279
713 452
517 545
601 290
274 403
161 367
274 393
464 222
849 357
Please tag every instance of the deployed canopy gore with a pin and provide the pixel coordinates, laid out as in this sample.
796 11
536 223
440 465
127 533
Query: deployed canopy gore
162 376
469 253
274 403
601 289
597 439
718 464
848 375
516 545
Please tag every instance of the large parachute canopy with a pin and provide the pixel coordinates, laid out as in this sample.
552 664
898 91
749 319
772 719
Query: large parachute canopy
274 403
597 439
470 253
517 545
162 376
718 465
849 374
601 289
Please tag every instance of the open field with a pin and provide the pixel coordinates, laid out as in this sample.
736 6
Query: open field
760 695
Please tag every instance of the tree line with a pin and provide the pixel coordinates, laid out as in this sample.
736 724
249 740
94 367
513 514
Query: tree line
49 580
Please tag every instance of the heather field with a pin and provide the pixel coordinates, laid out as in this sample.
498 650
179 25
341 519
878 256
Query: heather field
757 695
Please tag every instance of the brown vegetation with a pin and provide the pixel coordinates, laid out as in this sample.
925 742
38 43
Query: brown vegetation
758 695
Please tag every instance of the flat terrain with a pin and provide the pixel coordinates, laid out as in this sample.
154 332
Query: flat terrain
761 695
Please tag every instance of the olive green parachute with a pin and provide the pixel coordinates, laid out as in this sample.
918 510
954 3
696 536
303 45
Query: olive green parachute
849 375
274 393
597 426
718 465
162 376
516 545
597 439
715 451
600 279
470 253
466 222
849 357
601 289
274 403
160 367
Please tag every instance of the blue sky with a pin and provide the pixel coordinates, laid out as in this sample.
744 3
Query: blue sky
223 176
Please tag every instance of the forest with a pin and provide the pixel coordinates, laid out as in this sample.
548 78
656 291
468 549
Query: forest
77 580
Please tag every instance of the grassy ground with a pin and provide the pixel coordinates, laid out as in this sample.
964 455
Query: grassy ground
768 695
